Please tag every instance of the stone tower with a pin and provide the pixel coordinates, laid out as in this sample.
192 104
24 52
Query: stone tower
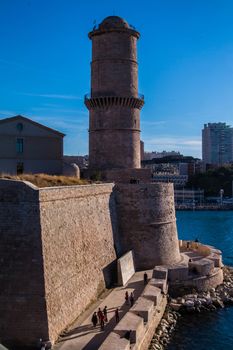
114 102
145 210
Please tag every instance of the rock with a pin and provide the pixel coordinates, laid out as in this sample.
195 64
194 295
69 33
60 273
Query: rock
202 300
191 309
197 302
173 301
175 307
218 303
189 303
180 300
208 301
212 307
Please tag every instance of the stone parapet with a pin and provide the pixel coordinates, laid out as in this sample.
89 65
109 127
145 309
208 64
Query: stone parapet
143 308
136 328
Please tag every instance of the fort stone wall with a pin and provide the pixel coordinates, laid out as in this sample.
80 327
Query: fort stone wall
77 224
23 313
57 254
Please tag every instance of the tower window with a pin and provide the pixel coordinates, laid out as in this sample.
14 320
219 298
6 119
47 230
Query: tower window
19 145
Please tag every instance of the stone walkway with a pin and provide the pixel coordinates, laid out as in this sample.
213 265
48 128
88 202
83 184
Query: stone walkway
83 336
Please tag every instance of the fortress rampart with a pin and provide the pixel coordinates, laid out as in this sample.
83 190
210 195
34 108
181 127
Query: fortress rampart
147 219
59 247
57 252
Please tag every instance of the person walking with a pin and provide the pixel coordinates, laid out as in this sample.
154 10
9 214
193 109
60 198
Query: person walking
145 278
105 311
127 298
117 315
94 319
131 299
99 313
102 320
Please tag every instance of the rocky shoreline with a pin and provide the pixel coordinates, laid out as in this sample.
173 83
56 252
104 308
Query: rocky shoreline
192 303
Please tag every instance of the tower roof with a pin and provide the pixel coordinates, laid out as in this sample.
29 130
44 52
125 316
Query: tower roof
113 22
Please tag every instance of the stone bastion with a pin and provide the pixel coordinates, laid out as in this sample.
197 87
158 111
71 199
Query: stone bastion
59 248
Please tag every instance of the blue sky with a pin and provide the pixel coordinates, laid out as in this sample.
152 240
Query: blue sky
185 66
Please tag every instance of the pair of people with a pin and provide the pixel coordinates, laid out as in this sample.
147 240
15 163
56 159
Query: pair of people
129 298
101 316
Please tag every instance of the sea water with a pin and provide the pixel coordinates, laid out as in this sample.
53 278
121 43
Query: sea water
210 330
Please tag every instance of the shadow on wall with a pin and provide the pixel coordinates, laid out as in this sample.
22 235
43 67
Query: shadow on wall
114 223
110 274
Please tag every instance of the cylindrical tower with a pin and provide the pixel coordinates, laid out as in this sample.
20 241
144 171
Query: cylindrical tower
147 223
114 103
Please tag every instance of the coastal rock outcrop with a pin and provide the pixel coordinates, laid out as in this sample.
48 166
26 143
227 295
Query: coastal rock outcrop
195 302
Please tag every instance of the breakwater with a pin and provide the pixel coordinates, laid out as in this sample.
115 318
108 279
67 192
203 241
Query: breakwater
192 303
205 329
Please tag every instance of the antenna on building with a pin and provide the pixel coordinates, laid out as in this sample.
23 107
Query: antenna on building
94 24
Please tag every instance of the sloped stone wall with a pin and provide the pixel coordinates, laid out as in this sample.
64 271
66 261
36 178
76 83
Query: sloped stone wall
57 254
78 250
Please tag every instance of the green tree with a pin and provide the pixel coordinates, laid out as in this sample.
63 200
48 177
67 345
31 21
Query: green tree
212 181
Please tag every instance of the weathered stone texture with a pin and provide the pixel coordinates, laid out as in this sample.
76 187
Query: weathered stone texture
23 313
114 103
114 64
78 249
125 268
146 217
57 251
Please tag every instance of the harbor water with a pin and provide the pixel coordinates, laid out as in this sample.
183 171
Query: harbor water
211 330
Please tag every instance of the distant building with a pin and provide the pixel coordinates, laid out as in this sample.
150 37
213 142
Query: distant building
154 154
186 196
217 144
29 147
177 180
81 161
177 167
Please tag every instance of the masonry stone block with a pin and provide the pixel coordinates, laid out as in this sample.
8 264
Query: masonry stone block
160 272
115 342
202 267
143 308
217 259
178 272
133 323
161 284
152 293
125 268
